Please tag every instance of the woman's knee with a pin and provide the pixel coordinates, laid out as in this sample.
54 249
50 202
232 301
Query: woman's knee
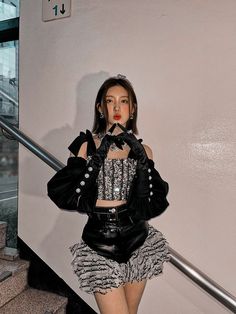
112 302
133 293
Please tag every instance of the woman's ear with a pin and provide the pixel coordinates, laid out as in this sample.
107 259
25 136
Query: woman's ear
98 105
133 108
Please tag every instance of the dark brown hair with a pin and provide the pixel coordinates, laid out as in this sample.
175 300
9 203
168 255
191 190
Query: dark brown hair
99 125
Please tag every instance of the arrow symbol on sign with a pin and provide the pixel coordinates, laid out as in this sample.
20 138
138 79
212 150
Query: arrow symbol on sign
63 9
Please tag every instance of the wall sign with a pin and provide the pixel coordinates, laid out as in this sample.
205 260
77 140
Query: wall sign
56 9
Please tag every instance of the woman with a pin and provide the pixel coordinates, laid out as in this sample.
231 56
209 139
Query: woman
110 176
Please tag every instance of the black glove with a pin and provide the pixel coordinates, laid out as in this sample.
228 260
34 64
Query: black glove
101 153
136 146
94 164
74 186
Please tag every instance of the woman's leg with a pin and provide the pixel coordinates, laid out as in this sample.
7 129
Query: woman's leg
112 302
133 293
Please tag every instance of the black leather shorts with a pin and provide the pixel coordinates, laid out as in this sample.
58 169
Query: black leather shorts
112 233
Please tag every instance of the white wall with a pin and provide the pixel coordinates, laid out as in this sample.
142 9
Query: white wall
180 57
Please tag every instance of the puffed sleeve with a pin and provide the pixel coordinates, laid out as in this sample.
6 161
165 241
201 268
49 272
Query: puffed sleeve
62 186
72 187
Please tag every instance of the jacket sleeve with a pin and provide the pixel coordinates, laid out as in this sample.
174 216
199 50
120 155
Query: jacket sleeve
147 198
74 186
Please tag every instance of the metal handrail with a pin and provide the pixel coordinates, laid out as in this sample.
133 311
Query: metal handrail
202 280
36 149
192 272
13 101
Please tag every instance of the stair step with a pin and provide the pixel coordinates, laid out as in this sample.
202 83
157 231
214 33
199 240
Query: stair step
13 266
37 302
8 253
3 228
4 275
13 280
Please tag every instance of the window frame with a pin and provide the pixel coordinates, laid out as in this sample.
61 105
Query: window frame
9 30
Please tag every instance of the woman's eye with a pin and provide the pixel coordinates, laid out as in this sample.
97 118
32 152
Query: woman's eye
125 101
108 101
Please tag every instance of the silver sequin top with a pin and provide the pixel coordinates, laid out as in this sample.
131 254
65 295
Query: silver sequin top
115 178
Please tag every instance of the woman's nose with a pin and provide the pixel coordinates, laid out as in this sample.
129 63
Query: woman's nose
116 106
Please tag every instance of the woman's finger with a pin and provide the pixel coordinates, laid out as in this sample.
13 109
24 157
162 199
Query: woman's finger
122 127
112 129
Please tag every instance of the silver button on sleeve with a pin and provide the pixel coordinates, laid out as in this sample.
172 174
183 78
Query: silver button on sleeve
78 190
82 183
86 175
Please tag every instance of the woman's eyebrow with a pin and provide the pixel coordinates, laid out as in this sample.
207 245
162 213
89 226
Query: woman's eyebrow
114 96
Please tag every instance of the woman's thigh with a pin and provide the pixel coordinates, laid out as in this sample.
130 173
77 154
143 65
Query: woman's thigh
112 302
133 294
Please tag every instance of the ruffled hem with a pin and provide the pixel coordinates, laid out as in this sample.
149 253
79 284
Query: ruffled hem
99 274
95 273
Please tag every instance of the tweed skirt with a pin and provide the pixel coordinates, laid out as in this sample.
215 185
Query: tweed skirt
100 274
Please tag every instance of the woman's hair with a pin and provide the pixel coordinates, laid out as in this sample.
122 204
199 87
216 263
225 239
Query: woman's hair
99 125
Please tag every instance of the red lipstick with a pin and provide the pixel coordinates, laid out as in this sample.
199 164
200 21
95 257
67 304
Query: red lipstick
117 117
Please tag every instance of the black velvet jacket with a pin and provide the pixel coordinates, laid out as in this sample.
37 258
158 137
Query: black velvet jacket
147 195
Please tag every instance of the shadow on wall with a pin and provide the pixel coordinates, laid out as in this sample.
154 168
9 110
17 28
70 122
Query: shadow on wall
56 141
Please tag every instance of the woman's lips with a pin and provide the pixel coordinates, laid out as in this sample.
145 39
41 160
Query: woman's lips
117 117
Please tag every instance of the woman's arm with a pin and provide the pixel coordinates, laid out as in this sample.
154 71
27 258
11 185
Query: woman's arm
74 186
64 186
148 193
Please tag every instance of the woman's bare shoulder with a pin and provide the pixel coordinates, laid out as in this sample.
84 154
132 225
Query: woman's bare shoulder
148 151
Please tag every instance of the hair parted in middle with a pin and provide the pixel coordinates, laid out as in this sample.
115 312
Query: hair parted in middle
99 125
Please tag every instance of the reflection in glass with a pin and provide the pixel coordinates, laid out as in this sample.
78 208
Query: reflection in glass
9 9
9 148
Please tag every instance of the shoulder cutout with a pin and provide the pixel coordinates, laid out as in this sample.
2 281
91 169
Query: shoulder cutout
83 150
89 148
148 151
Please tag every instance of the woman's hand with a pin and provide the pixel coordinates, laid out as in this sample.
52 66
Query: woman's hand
135 145
109 138
106 142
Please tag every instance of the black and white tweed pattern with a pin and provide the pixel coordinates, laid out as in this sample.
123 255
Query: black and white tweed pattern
99 274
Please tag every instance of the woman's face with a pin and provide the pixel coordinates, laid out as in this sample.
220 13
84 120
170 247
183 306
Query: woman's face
118 105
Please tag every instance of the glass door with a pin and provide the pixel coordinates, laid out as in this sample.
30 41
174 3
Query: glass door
9 110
